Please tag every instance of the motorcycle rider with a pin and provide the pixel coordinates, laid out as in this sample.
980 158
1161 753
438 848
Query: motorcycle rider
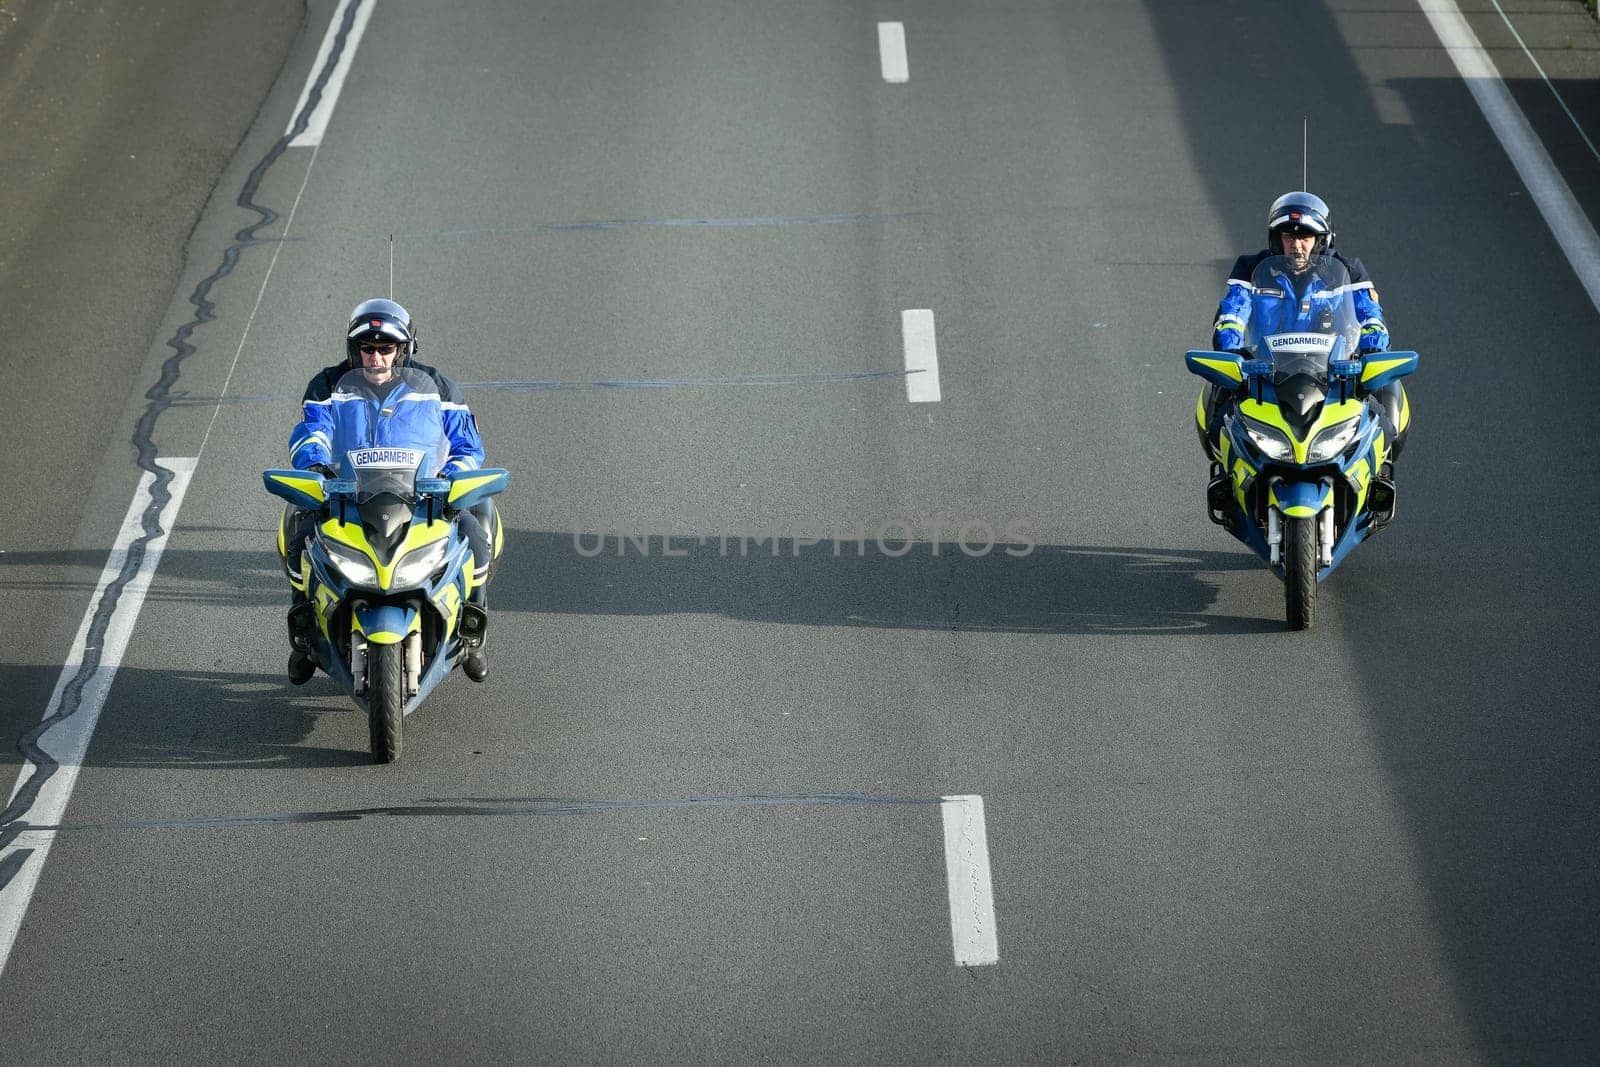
380 336
1299 226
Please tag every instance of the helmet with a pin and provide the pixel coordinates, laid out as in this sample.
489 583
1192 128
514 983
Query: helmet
380 322
1299 213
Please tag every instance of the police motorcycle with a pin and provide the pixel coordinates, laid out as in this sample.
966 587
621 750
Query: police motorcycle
1298 476
388 572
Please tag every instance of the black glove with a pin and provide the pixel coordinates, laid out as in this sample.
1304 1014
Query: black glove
324 470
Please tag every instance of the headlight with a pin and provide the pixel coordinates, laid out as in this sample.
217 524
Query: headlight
1272 443
1333 440
418 565
356 567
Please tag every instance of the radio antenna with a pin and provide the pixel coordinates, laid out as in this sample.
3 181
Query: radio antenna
391 266
1305 141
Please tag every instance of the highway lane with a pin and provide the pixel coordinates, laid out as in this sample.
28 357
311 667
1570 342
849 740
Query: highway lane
109 153
1190 858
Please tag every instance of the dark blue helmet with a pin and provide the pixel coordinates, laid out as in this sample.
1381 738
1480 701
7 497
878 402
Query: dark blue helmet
1299 213
380 322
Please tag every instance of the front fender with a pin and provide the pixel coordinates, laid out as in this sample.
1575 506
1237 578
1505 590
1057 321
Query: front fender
1301 500
385 624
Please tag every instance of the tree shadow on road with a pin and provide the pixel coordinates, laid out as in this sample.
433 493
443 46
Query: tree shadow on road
1060 589
200 719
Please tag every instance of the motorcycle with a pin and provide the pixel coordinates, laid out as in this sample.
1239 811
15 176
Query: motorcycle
388 573
1299 468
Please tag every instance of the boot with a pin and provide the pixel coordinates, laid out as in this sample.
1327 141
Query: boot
302 628
475 664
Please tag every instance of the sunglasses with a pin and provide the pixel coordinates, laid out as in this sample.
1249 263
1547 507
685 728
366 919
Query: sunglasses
378 350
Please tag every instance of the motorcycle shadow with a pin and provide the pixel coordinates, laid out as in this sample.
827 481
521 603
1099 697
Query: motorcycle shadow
191 719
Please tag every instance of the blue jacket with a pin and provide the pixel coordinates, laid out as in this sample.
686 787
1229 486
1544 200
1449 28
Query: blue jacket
312 440
1233 313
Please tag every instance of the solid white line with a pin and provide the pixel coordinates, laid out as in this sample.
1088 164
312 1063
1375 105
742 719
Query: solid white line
892 51
1566 220
312 135
966 864
68 740
922 355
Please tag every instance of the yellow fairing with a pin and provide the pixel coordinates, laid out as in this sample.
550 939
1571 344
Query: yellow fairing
1362 473
1200 411
449 604
311 487
1332 415
1405 411
326 601
499 535
350 533
1227 367
462 486
1376 367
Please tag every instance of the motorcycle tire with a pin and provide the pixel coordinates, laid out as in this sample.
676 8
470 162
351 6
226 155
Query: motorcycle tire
1300 572
386 700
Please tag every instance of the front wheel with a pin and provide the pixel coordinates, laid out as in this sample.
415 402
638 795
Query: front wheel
1300 572
386 700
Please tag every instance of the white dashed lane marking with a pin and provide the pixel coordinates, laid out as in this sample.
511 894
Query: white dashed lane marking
922 356
966 862
892 51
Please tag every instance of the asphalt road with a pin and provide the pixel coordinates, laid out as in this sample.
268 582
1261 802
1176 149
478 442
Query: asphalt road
1211 840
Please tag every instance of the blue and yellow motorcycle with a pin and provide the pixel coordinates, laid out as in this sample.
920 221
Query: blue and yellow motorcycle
388 572
1299 459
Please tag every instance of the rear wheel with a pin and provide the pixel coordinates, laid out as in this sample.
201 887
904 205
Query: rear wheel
386 700
1300 572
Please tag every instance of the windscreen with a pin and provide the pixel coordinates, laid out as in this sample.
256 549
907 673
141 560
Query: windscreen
388 430
1302 314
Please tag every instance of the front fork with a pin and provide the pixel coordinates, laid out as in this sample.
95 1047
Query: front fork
1325 534
413 659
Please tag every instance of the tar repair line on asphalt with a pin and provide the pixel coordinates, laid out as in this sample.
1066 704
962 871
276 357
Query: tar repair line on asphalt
892 52
42 792
922 356
311 136
966 864
966 837
67 741
1571 227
